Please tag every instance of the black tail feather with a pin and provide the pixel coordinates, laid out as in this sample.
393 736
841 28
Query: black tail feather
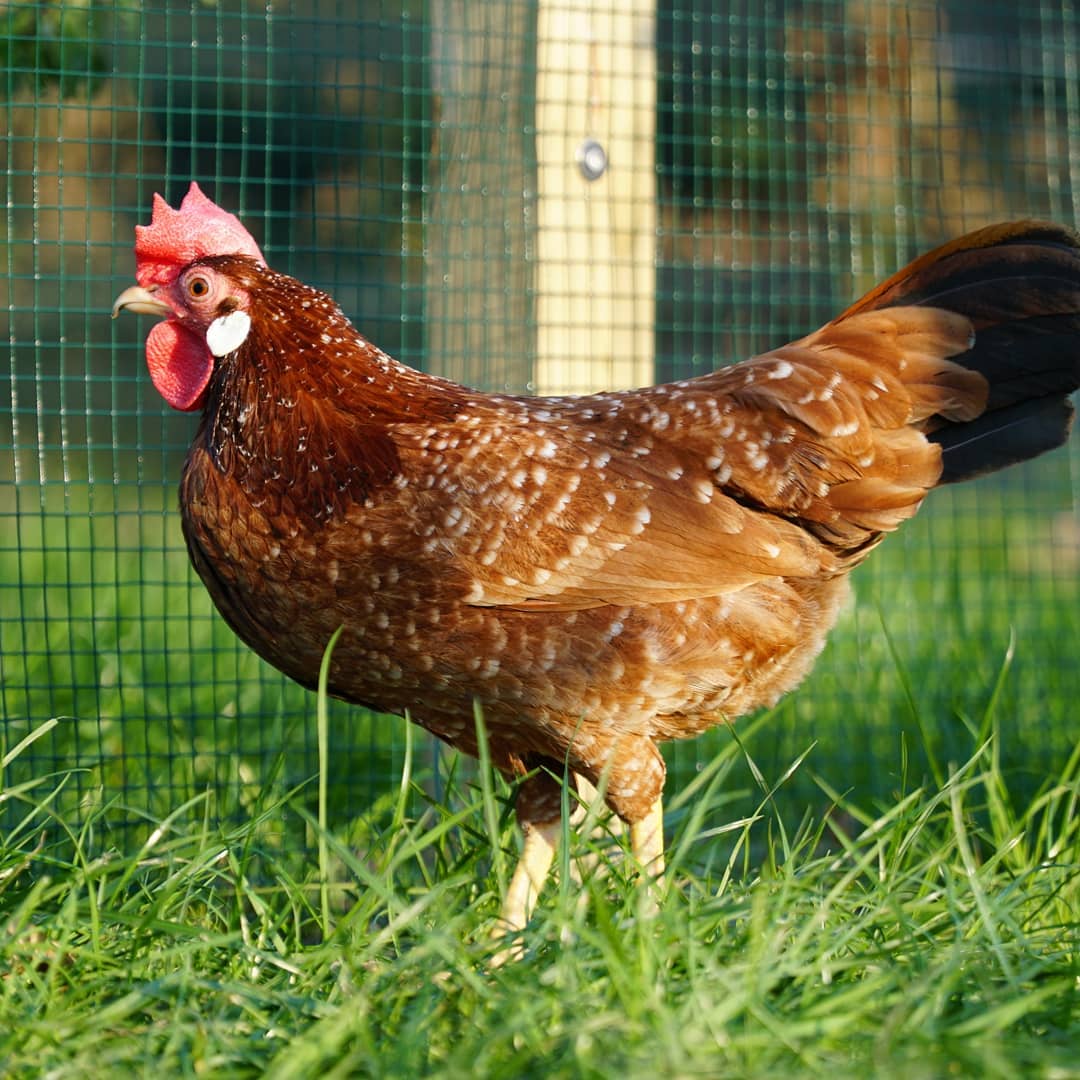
1019 285
1003 437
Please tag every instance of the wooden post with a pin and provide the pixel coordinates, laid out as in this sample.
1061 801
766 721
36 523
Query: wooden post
596 237
479 219
538 277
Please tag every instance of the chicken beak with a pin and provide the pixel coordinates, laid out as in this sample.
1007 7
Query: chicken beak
141 301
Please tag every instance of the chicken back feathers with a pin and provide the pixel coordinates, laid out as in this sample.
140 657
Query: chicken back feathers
603 572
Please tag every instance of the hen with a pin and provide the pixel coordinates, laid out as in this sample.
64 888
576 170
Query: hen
599 573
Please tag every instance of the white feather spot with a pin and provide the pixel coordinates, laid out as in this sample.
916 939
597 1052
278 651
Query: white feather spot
841 430
227 334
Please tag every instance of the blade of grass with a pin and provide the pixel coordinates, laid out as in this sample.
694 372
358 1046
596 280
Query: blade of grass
912 702
27 740
322 722
487 792
977 891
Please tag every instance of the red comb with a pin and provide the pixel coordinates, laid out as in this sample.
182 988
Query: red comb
176 237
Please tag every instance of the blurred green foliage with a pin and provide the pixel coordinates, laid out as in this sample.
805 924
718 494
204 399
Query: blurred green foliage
56 43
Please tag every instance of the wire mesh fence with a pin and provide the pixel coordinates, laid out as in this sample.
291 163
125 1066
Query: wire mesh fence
763 164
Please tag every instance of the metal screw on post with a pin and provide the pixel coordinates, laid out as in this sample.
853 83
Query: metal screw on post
592 159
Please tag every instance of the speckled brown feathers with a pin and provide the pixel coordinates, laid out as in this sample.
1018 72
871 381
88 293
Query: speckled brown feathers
607 572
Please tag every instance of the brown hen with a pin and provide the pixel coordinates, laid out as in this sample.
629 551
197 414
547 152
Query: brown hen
598 573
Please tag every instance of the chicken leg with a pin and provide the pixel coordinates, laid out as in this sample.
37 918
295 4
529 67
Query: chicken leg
534 865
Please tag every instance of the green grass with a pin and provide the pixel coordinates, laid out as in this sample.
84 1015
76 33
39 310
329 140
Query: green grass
936 936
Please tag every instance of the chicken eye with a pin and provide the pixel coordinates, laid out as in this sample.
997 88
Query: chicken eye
198 287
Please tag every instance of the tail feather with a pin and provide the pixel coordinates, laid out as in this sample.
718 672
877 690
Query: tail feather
1019 285
1032 357
1003 438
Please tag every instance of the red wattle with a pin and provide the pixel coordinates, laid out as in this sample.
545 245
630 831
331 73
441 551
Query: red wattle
180 364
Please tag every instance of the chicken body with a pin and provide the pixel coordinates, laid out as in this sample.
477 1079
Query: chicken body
569 564
602 573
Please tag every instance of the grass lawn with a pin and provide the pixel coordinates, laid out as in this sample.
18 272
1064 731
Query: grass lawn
935 937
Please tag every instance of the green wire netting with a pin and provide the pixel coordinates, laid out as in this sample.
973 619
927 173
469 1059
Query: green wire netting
387 153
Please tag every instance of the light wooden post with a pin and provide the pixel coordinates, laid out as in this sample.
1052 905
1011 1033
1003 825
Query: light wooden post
480 213
596 238
538 276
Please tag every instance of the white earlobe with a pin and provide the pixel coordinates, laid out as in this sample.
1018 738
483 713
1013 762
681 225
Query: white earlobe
227 334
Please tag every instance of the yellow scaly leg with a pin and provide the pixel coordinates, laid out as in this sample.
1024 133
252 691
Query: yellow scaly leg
529 876
647 846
